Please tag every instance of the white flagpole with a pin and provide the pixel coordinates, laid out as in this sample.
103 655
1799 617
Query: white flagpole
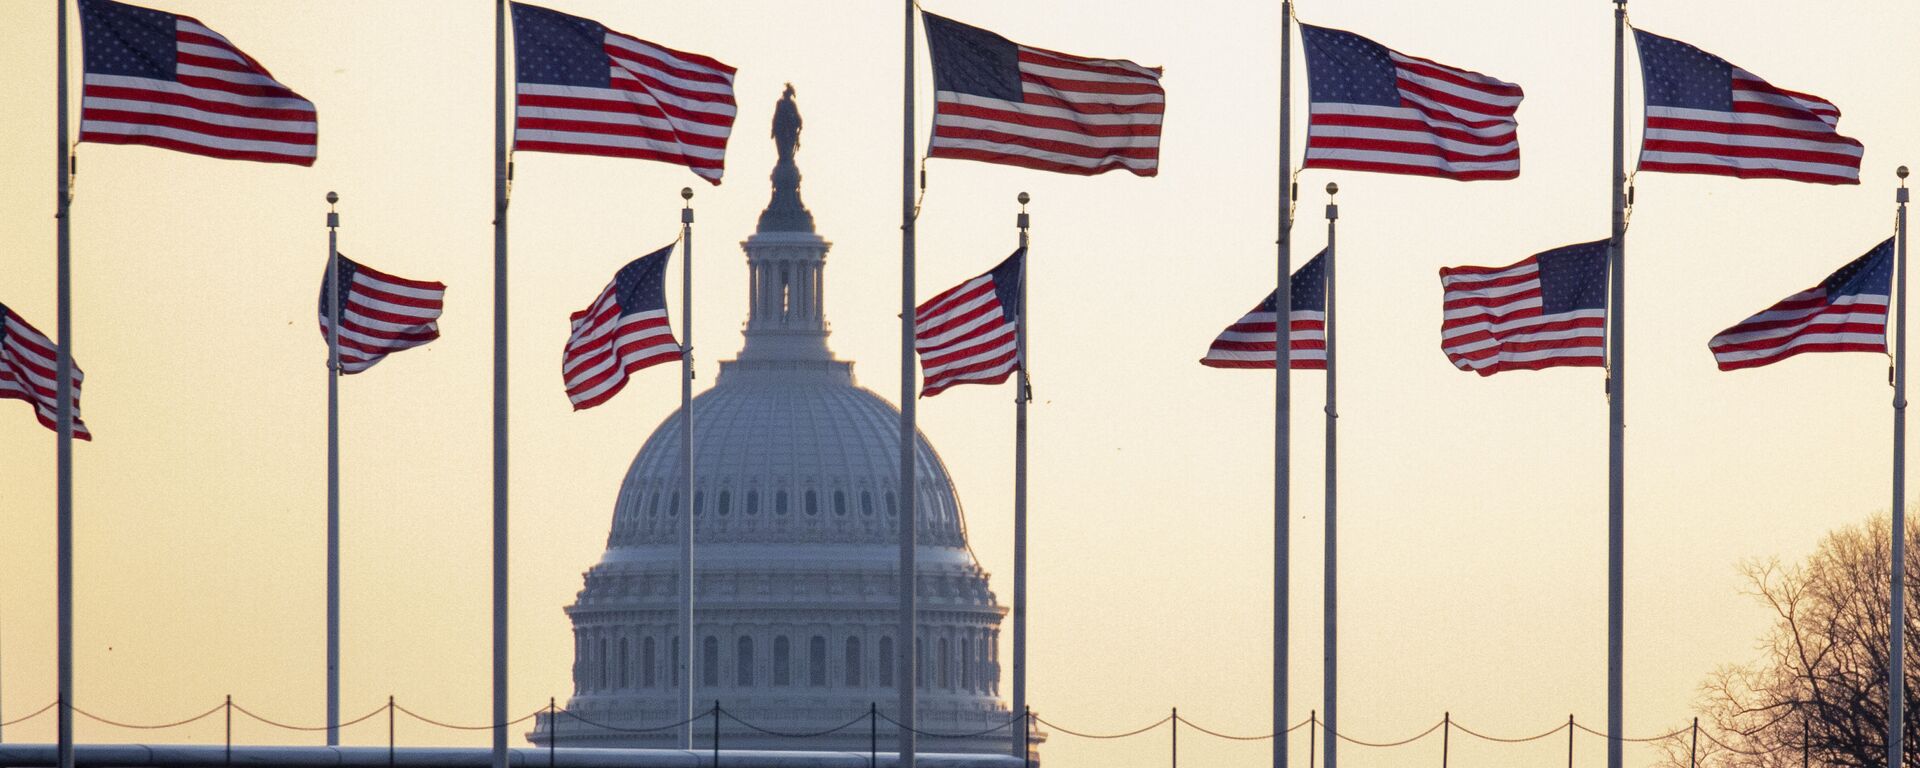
909 510
333 472
1897 629
686 466
63 375
1617 403
1330 612
501 175
1022 394
1283 393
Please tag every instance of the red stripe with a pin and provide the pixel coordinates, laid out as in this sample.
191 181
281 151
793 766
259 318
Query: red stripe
194 149
621 129
93 90
696 59
1030 55
1094 108
1035 163
237 89
1734 365
1757 345
1747 172
1323 141
1460 77
628 152
1411 170
1028 120
1047 145
612 104
197 126
1750 153
1457 101
1340 120
648 84
1747 129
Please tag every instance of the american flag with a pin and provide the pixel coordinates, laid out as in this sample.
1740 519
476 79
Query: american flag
1545 312
997 101
583 89
380 314
1847 312
168 81
969 334
1249 342
623 331
1705 115
1375 109
28 372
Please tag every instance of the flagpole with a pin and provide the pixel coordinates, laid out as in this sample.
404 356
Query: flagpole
909 514
1330 613
1282 393
1022 394
501 174
333 472
1617 402
686 465
1897 633
63 376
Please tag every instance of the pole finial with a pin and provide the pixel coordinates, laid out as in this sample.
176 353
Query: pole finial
1023 198
334 197
686 193
1332 188
1902 173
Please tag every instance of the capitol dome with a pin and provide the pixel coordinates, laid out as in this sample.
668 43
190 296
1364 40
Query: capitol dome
796 541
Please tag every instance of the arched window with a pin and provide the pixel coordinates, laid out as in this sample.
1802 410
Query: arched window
753 502
780 503
710 661
699 503
649 661
674 663
893 505
817 662
813 503
866 503
840 503
673 505
782 661
626 678
743 662
726 503
853 662
653 505
600 656
966 663
883 667
946 664
919 663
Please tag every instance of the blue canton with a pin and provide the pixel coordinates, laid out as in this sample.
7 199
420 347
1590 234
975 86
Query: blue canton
1680 75
1006 284
973 61
1573 277
4 312
642 285
552 48
1345 68
1308 287
1870 275
343 284
120 39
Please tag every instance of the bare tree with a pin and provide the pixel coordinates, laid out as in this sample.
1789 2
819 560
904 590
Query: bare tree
1817 692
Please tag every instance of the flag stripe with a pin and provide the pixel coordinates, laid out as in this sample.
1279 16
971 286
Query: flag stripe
28 373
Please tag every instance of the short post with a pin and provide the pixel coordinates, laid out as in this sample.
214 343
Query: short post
716 733
1806 743
1693 751
1446 737
553 730
229 707
1175 720
1026 736
1570 741
390 730
873 734
1313 734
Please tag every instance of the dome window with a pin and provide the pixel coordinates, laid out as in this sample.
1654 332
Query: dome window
813 503
853 662
840 503
883 667
817 662
780 503
649 662
673 506
626 680
893 505
866 503
653 505
782 661
699 503
726 503
743 662
710 662
753 502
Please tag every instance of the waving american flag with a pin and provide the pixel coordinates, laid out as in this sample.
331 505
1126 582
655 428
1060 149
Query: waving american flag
624 330
970 333
1249 342
1547 311
1847 312
27 372
379 313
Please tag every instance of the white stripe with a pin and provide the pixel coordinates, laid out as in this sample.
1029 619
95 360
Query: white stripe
1143 71
1488 96
399 289
1037 154
1732 118
1823 169
1042 70
670 57
956 339
1412 137
1084 97
1801 341
609 140
1411 159
205 140
1741 140
622 117
1457 280
1504 329
1048 134
592 333
722 109
617 96
985 354
189 113
1038 110
1460 116
208 94
213 52
228 75
1844 302
1501 130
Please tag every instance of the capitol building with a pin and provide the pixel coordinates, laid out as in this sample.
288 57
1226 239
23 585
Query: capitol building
796 520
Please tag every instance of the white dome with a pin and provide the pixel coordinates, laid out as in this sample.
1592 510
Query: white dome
796 588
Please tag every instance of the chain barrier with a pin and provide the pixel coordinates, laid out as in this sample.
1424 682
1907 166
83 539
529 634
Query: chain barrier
1071 732
431 721
618 729
1477 734
36 713
787 735
245 711
1737 750
1402 742
136 726
932 734
1648 739
1231 737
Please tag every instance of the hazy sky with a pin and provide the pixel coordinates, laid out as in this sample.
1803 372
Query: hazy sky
1473 516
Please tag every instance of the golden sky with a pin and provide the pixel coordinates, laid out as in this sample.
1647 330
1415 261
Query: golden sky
1473 511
